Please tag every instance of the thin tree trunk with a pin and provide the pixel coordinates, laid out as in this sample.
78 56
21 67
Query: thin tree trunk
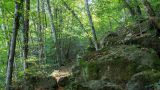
76 17
16 25
44 25
26 30
39 28
26 38
91 25
51 21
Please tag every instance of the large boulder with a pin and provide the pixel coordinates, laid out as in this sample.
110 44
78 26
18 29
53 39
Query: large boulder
118 64
144 81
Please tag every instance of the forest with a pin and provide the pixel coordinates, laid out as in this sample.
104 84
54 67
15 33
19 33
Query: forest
79 44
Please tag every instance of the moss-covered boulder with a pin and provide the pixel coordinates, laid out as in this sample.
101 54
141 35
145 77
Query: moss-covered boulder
118 64
93 85
42 83
36 83
144 81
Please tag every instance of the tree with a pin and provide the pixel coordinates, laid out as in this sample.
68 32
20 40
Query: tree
152 17
51 21
26 37
91 25
26 30
39 28
16 25
76 16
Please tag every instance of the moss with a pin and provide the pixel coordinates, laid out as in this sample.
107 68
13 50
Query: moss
144 80
148 76
118 64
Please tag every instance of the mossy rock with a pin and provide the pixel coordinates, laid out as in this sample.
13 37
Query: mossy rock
42 83
98 85
143 81
93 85
36 83
119 63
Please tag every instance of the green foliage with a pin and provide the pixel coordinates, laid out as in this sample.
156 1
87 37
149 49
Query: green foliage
72 40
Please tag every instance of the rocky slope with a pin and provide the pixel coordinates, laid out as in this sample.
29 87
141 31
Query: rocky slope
128 60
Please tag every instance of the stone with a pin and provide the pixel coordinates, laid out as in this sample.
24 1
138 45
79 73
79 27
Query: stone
98 85
143 81
63 81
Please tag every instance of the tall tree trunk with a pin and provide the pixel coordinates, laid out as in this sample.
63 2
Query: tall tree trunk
26 30
44 26
16 25
26 38
92 25
51 21
39 28
152 17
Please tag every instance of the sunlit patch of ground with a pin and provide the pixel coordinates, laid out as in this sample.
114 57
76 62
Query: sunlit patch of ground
62 72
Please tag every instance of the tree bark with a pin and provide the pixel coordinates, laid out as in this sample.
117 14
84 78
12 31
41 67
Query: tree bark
26 38
16 25
39 28
44 26
26 30
152 17
51 21
91 25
